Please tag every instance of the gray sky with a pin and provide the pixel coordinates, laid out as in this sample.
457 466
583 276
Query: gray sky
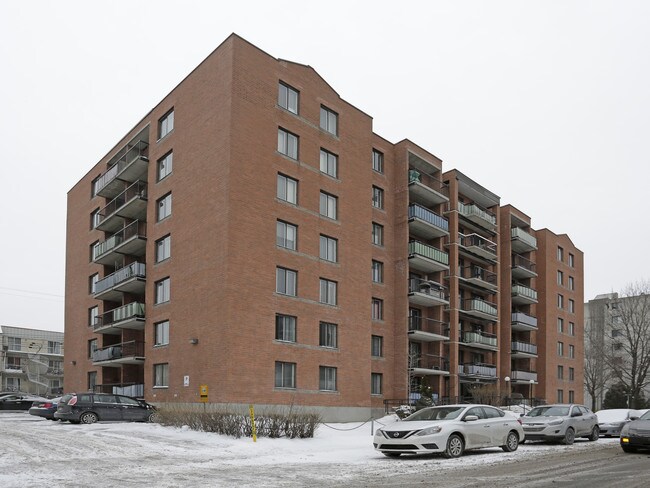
545 103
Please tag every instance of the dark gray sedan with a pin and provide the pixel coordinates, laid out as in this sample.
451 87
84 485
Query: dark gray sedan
636 434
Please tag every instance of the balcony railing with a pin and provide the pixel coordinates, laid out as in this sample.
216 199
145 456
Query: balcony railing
427 189
430 362
133 270
523 263
426 287
419 212
480 338
478 215
518 346
518 375
132 311
524 291
478 369
524 319
429 326
129 389
138 151
481 306
478 245
118 351
528 242
137 190
479 275
134 229
417 247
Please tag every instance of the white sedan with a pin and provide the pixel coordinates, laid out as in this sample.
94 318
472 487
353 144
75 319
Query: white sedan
450 430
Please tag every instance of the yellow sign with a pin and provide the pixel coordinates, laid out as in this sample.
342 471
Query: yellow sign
203 393
252 411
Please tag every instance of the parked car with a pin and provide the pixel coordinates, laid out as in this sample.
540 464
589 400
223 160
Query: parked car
636 434
611 421
560 422
88 408
45 408
450 430
20 401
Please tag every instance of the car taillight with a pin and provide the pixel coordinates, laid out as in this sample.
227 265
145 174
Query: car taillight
47 405
72 401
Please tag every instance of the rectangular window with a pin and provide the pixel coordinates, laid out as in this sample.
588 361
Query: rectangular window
93 316
329 120
572 351
571 374
572 329
377 161
560 325
13 384
572 260
327 378
163 248
164 207
560 372
376 380
572 285
162 291
161 333
286 281
560 278
377 346
92 380
328 335
94 219
14 343
287 189
377 271
285 375
165 165
92 250
560 254
92 283
560 301
328 248
328 291
328 205
560 348
287 144
560 396
161 375
286 235
92 347
53 347
377 197
571 396
288 98
377 309
329 163
285 328
572 306
377 234
166 124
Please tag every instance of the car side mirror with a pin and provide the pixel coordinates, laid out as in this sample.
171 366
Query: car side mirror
634 417
470 418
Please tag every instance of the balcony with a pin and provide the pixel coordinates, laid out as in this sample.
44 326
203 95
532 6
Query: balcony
479 216
480 340
521 349
129 316
429 365
478 277
477 245
425 223
517 376
130 240
427 293
426 258
129 389
523 322
480 370
427 330
480 309
427 190
523 295
130 204
131 352
521 241
130 166
522 268
129 279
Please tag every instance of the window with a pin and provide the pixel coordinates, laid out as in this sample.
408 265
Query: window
92 250
572 351
376 383
328 291
13 384
287 144
14 343
572 260
560 301
560 325
93 316
94 219
560 348
287 189
164 206
165 165
377 161
377 309
288 98
92 380
560 396
328 335
285 375
92 347
572 305
285 328
55 366
328 205
328 248
377 234
53 347
166 124
329 163
377 197
162 291
560 254
161 375
572 329
377 271
286 235
571 374
92 283
163 248
616 333
571 396
560 278
161 333
286 281
377 346
572 285
327 378
329 120
560 372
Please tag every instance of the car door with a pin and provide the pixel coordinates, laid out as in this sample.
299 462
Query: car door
107 407
499 425
131 409
578 421
477 433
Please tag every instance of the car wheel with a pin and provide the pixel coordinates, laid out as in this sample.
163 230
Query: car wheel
595 433
392 454
569 437
88 418
153 417
455 446
512 442
628 449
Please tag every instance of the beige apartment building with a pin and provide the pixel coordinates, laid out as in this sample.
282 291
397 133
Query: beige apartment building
252 240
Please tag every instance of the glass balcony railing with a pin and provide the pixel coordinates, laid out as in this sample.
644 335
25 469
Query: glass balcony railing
478 305
134 229
478 273
134 310
474 212
118 351
478 369
521 262
522 318
519 346
430 326
419 212
136 190
523 236
432 289
483 246
480 338
416 176
429 361
524 291
417 247
133 270
137 151
523 375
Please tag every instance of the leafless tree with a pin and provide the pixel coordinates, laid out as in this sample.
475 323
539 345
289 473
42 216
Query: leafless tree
597 372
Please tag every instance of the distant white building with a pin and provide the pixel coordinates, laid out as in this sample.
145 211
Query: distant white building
31 360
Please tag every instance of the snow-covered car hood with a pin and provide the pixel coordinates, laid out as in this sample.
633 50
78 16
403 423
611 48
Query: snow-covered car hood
413 425
541 420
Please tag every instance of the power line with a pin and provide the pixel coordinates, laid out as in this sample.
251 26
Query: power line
27 291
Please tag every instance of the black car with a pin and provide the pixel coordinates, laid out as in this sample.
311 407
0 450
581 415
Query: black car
18 401
636 434
88 408
45 408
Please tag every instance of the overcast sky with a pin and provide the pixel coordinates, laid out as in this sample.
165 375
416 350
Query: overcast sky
545 103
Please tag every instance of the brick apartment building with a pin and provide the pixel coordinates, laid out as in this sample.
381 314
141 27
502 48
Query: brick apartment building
305 260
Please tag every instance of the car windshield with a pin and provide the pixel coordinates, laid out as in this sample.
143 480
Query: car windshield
645 416
436 413
615 415
549 411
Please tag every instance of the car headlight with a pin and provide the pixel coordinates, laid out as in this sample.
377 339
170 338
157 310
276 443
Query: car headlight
556 422
625 430
430 430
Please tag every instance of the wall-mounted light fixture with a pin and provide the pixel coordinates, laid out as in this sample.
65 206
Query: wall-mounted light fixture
74 363
194 340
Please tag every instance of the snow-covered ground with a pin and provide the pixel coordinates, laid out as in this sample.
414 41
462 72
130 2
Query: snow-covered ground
35 452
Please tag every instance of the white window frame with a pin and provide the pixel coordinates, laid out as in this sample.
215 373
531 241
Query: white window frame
162 291
378 161
376 384
286 281
328 248
163 248
328 292
377 308
161 333
328 205
165 165
287 190
329 163
285 375
377 197
164 207
161 375
328 335
377 271
286 235
329 120
377 234
327 378
288 143
377 346
285 328
288 97
166 124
